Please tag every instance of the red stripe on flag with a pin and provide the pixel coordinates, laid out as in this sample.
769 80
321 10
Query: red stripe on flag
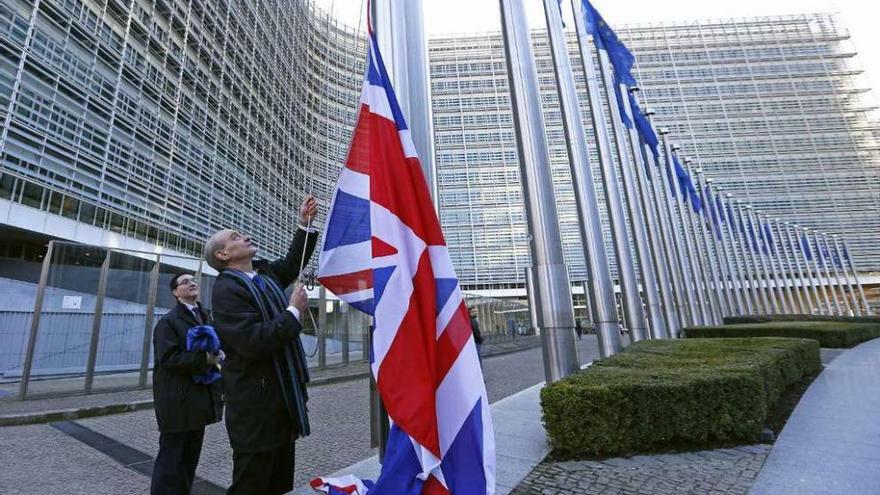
397 183
433 487
406 376
349 282
361 142
382 248
452 340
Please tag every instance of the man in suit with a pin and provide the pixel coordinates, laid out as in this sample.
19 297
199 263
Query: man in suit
265 372
183 407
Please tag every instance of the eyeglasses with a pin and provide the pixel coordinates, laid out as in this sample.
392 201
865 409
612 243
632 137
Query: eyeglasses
187 281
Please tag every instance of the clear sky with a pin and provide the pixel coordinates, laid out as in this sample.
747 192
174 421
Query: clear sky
861 17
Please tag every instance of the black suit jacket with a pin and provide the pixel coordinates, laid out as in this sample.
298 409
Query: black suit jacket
258 418
181 404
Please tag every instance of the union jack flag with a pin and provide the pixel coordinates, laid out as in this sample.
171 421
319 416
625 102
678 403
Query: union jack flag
383 252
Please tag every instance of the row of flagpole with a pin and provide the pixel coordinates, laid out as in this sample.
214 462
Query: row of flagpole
702 254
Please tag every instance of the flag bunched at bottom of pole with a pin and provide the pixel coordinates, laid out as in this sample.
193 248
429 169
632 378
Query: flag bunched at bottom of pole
383 253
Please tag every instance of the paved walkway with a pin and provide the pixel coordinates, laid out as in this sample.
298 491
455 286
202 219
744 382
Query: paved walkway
64 408
831 443
120 447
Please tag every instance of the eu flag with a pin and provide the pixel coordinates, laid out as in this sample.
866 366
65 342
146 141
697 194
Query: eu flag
606 39
713 211
621 108
646 131
805 247
719 208
688 191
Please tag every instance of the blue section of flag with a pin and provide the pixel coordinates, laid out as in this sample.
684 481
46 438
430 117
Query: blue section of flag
401 467
606 39
621 108
349 221
380 280
366 306
463 459
445 287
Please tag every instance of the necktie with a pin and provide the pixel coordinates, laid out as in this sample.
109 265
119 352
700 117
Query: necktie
198 315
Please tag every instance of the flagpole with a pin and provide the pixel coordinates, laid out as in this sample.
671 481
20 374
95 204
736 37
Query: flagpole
792 262
709 276
734 278
637 227
690 244
713 256
770 301
601 288
660 199
812 270
748 242
840 294
736 256
745 256
826 272
822 282
678 235
784 274
714 246
633 315
665 305
553 290
853 298
782 296
852 267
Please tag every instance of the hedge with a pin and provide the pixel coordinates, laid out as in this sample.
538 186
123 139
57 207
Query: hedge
828 333
671 394
737 320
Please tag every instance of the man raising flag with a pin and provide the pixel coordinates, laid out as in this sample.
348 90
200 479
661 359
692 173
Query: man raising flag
384 254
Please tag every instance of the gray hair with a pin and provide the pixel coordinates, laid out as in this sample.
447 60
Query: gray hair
217 242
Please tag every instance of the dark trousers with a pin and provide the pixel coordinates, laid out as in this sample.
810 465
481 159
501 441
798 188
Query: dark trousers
264 473
175 466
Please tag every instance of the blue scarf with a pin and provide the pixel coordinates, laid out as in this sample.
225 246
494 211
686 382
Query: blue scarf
203 338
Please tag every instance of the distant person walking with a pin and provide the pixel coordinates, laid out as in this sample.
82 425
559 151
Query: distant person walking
478 336
579 328
185 401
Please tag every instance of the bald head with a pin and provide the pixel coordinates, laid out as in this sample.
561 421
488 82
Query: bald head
228 246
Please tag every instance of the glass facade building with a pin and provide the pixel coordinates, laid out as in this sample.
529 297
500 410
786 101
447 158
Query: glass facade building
165 120
769 107
161 121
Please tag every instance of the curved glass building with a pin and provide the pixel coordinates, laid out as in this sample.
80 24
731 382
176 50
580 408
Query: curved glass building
155 123
150 124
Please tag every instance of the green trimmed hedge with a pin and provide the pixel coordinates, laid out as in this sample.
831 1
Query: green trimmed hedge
737 320
666 394
829 333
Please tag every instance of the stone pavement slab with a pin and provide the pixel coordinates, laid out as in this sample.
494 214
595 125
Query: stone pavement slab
39 459
831 443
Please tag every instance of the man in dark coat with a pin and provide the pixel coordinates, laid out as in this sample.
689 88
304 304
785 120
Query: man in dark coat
183 407
478 336
265 371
